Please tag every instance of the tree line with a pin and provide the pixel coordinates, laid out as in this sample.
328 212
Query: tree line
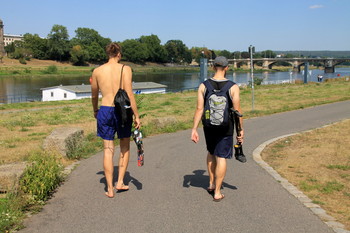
88 46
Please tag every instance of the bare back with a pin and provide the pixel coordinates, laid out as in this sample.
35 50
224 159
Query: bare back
107 78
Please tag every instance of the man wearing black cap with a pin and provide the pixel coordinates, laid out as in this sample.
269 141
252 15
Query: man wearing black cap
219 140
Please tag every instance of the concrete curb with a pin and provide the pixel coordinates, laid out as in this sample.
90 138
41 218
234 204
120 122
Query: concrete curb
307 202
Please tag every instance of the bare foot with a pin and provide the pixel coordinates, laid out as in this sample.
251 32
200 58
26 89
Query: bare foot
211 188
109 194
218 198
121 188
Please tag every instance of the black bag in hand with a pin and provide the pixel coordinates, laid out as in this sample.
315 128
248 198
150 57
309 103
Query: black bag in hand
122 104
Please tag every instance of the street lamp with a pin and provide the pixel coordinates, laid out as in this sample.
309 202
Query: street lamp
251 50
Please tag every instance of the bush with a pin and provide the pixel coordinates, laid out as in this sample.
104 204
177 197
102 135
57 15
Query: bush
42 176
22 61
51 70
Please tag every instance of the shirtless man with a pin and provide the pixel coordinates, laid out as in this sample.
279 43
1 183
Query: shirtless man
106 79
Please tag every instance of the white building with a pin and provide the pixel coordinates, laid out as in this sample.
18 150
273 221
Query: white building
8 38
72 92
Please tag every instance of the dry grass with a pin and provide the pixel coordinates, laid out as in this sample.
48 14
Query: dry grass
318 163
23 131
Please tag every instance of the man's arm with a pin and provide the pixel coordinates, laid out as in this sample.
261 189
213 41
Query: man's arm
127 86
237 106
94 93
198 113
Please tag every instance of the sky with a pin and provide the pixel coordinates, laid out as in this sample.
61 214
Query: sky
231 25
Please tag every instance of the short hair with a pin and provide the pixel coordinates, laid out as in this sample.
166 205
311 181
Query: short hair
113 49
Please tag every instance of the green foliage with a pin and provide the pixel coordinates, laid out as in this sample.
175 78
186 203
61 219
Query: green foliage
340 167
10 215
51 70
22 61
42 176
58 43
156 52
178 52
90 145
134 51
37 45
79 56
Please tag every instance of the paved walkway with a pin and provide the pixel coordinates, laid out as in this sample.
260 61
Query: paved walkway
168 193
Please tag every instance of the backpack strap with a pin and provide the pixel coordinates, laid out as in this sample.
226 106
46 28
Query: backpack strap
121 78
227 86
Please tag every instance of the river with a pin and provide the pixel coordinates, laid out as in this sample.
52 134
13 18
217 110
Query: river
22 89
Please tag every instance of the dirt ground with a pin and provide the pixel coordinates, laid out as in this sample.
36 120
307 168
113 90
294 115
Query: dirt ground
318 163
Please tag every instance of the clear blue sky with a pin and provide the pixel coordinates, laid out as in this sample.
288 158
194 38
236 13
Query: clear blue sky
222 24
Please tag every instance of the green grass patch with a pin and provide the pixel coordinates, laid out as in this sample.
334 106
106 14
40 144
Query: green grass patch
339 167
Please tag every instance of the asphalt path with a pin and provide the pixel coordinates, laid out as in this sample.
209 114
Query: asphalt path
168 194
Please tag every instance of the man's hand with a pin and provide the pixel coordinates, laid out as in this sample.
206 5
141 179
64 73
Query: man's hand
240 138
95 113
194 136
137 123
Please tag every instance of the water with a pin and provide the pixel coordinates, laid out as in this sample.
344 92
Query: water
21 89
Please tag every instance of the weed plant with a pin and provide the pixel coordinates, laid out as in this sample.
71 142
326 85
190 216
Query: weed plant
42 176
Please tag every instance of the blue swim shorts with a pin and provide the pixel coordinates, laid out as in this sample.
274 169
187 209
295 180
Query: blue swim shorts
220 146
108 124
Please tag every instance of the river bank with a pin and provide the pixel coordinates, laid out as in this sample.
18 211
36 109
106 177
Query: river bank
47 68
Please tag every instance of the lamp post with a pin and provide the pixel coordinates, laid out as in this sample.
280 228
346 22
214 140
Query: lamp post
251 50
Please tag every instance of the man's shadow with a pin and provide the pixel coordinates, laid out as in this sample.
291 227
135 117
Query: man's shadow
127 179
200 180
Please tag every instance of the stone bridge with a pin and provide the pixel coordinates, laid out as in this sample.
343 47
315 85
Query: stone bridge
267 63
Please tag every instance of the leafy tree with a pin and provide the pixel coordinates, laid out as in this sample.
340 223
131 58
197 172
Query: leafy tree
134 51
79 56
58 43
92 42
197 53
245 55
96 53
224 53
268 54
156 52
36 44
178 52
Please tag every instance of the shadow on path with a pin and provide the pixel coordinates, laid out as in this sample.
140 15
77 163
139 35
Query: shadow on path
127 179
200 180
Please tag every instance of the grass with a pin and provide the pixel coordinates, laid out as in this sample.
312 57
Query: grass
24 126
324 166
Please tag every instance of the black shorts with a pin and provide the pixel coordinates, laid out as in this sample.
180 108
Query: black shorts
220 145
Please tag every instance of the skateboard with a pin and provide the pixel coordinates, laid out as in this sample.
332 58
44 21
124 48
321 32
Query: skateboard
137 136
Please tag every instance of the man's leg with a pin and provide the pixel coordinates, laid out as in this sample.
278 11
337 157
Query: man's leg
123 163
108 153
211 163
220 173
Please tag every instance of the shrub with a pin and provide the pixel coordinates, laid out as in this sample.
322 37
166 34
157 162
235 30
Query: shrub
42 176
51 70
22 61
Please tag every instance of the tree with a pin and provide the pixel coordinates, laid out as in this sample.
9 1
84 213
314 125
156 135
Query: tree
58 43
134 51
96 53
156 52
224 53
36 44
91 42
178 52
79 56
268 54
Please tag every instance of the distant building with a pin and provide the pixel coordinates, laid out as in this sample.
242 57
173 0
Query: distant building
8 39
72 92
